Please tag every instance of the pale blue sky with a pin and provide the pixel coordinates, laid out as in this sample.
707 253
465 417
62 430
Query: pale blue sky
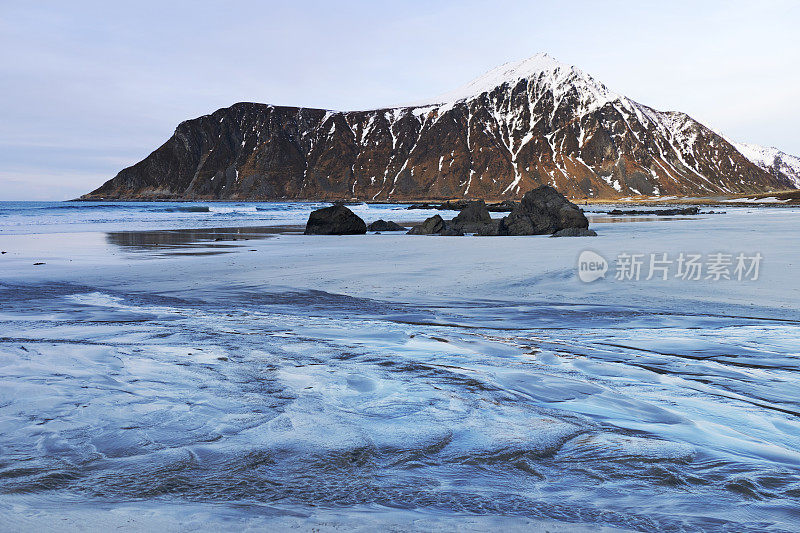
87 88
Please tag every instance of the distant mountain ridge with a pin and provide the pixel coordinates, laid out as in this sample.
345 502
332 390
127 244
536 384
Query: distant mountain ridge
774 161
521 125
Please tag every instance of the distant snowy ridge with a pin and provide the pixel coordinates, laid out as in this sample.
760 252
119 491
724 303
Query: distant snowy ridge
772 160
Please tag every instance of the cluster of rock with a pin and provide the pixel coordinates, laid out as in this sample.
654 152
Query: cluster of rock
542 211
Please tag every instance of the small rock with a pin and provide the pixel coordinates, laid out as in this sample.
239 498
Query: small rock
383 225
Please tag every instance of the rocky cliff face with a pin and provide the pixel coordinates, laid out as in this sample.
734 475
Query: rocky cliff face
517 127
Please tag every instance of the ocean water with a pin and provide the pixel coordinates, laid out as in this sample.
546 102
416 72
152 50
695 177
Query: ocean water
187 382
60 217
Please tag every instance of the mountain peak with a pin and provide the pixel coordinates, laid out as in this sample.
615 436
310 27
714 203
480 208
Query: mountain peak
542 68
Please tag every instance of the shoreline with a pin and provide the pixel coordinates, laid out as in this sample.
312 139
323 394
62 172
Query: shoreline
785 198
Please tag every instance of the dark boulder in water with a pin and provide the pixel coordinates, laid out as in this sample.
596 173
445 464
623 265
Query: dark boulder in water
383 225
543 210
335 220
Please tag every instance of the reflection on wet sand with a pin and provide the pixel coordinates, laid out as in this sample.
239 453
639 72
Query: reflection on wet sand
211 240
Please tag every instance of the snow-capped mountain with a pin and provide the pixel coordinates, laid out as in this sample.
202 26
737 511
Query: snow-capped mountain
772 160
516 127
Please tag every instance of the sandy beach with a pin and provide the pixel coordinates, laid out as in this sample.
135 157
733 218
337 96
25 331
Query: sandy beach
435 382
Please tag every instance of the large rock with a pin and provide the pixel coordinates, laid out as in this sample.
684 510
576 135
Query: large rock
543 210
335 220
473 218
383 225
431 226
